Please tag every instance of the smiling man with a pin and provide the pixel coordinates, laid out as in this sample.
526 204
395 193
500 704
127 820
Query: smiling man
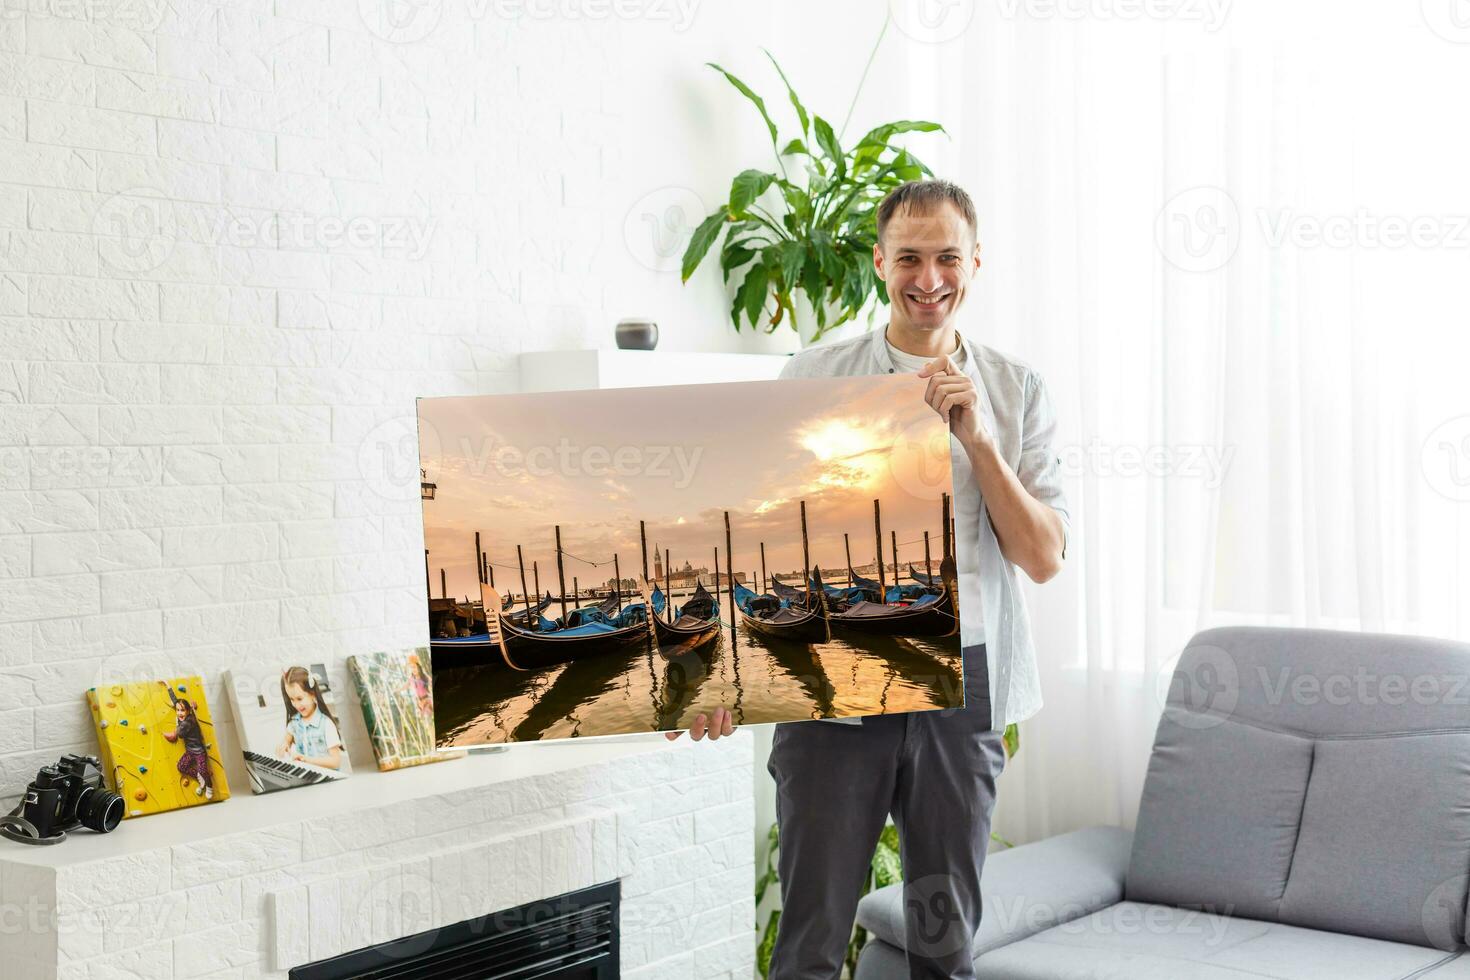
935 771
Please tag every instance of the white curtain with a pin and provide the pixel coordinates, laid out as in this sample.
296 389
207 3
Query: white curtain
1239 254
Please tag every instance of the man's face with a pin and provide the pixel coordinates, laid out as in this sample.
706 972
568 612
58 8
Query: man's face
927 259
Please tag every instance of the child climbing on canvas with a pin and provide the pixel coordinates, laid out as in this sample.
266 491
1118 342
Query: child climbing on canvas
311 730
194 763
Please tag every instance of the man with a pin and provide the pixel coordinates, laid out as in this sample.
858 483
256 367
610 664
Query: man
935 771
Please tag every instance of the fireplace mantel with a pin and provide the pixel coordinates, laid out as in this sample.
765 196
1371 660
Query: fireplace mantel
257 884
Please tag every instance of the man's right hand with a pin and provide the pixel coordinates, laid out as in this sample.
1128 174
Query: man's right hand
719 725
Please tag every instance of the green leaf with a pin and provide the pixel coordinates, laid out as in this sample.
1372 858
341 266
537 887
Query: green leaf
745 188
800 109
831 262
827 140
792 256
854 287
795 146
704 236
751 295
733 257
756 99
880 135
1012 739
768 944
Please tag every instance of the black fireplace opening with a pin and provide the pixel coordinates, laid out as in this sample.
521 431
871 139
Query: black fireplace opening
569 937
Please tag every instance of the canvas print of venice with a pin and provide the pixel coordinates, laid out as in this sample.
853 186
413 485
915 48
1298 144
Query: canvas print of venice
616 561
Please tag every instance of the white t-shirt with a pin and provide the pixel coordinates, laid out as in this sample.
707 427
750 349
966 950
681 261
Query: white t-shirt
967 531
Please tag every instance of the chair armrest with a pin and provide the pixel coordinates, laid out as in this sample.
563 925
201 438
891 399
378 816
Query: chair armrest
1026 889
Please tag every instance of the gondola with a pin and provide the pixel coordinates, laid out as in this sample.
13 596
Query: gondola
477 647
929 615
931 580
789 593
695 624
768 616
872 591
838 598
522 649
522 616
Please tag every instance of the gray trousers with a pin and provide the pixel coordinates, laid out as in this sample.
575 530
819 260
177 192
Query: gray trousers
935 772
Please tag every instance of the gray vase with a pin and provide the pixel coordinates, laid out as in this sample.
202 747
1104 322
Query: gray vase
637 334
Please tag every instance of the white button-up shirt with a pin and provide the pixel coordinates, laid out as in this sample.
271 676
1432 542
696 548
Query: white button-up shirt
1015 409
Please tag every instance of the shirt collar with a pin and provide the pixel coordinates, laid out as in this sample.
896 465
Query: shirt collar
884 360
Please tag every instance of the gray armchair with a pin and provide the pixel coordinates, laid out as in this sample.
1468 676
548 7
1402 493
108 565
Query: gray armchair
1306 815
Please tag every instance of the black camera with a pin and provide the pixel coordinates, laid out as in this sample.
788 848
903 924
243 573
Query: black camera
61 798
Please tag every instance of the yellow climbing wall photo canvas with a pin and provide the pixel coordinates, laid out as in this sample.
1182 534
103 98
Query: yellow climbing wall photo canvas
158 744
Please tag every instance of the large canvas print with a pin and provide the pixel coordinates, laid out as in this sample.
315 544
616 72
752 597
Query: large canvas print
606 562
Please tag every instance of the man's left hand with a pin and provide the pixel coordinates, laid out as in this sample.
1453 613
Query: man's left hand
953 395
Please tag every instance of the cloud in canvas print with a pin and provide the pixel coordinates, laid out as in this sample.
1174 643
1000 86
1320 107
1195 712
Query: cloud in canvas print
747 517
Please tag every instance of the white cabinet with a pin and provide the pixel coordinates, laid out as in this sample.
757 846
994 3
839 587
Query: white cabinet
582 369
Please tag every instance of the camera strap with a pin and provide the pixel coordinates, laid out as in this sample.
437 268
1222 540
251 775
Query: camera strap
15 827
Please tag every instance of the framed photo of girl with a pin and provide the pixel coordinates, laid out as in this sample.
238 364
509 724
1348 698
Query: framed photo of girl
290 730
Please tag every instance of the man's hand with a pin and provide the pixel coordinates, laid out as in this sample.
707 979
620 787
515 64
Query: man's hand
719 726
952 394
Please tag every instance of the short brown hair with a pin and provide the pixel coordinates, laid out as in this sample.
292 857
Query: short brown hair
923 196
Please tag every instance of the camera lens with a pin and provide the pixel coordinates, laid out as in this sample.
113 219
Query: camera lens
100 810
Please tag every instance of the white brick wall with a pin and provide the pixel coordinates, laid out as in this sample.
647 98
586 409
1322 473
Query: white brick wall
199 371
673 822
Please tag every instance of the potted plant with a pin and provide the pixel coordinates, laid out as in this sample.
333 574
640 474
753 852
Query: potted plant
806 260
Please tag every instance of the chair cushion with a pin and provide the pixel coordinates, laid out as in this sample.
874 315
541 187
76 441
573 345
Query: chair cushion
1131 941
1025 889
1385 840
1219 815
